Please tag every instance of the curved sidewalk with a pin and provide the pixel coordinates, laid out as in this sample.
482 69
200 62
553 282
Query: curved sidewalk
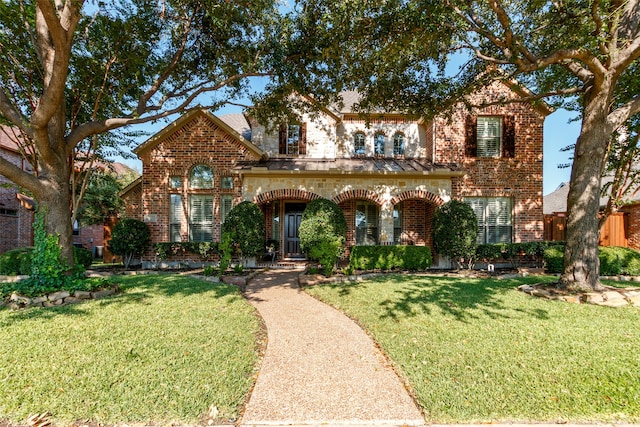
319 366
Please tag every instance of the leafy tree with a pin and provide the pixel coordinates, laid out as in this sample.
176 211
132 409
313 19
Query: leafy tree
245 224
129 238
455 232
74 74
323 231
577 55
101 198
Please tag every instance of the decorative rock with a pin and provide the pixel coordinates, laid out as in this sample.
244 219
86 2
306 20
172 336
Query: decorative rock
102 294
19 299
526 288
594 298
541 293
38 300
72 300
235 280
58 296
82 294
574 299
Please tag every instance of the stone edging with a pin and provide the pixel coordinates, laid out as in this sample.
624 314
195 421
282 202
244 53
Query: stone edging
58 298
611 297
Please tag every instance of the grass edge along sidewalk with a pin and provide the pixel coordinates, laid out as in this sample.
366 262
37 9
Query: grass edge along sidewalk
169 350
479 351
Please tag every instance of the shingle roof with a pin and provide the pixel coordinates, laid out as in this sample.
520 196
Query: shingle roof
239 123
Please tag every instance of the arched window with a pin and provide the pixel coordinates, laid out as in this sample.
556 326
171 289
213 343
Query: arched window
201 176
378 144
398 144
358 144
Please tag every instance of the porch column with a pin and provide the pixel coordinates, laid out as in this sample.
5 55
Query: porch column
386 223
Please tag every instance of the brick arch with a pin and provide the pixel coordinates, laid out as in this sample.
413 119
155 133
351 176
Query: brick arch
358 195
417 194
285 193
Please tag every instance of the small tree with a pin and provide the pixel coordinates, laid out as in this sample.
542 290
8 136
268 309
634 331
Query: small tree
323 231
455 230
130 237
245 224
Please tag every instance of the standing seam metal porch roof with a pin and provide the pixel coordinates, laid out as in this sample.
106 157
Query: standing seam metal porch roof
352 165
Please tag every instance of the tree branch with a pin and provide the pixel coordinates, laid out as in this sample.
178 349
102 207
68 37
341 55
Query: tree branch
19 177
617 117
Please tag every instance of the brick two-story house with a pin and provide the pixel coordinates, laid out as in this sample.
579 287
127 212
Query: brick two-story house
388 174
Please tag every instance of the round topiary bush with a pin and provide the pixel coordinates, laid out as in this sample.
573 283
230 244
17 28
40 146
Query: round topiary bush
323 231
245 224
454 232
129 238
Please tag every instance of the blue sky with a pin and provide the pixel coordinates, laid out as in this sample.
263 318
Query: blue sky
558 133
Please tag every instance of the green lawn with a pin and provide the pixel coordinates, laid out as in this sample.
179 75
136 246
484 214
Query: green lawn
480 351
164 351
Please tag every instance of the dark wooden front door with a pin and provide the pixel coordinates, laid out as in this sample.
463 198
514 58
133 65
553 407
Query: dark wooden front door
292 236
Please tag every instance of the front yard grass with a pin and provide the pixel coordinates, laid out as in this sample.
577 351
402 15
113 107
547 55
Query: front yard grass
480 351
165 351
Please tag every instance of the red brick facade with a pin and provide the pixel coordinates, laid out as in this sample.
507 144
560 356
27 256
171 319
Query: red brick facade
199 138
15 220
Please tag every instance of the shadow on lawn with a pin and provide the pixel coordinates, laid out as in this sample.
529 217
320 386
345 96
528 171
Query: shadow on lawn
135 290
462 298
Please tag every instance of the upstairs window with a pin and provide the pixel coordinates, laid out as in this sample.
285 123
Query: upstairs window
490 136
378 144
398 144
175 182
293 139
201 177
358 144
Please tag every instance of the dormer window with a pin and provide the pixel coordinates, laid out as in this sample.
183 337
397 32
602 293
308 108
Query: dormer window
293 139
398 144
358 144
378 144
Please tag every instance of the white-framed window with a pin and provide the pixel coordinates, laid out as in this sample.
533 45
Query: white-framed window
226 204
175 182
366 223
176 217
397 224
495 218
201 176
398 144
359 144
200 218
489 136
293 138
379 141
226 183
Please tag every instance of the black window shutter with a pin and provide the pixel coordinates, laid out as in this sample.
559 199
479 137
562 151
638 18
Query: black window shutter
283 139
303 138
471 136
509 137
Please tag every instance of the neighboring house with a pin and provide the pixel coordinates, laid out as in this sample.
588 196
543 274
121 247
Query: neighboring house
621 228
388 174
16 210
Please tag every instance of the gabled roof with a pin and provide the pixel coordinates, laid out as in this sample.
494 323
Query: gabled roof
9 137
132 185
175 126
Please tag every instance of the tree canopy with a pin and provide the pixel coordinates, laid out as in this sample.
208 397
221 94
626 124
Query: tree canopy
75 72
581 56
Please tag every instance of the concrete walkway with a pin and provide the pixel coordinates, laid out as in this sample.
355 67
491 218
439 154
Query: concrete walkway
319 366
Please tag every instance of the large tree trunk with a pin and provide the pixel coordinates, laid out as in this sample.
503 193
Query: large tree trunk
581 262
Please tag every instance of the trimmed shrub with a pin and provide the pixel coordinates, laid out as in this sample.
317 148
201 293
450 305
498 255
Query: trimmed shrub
613 260
411 258
16 261
454 232
83 256
245 224
323 231
129 238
